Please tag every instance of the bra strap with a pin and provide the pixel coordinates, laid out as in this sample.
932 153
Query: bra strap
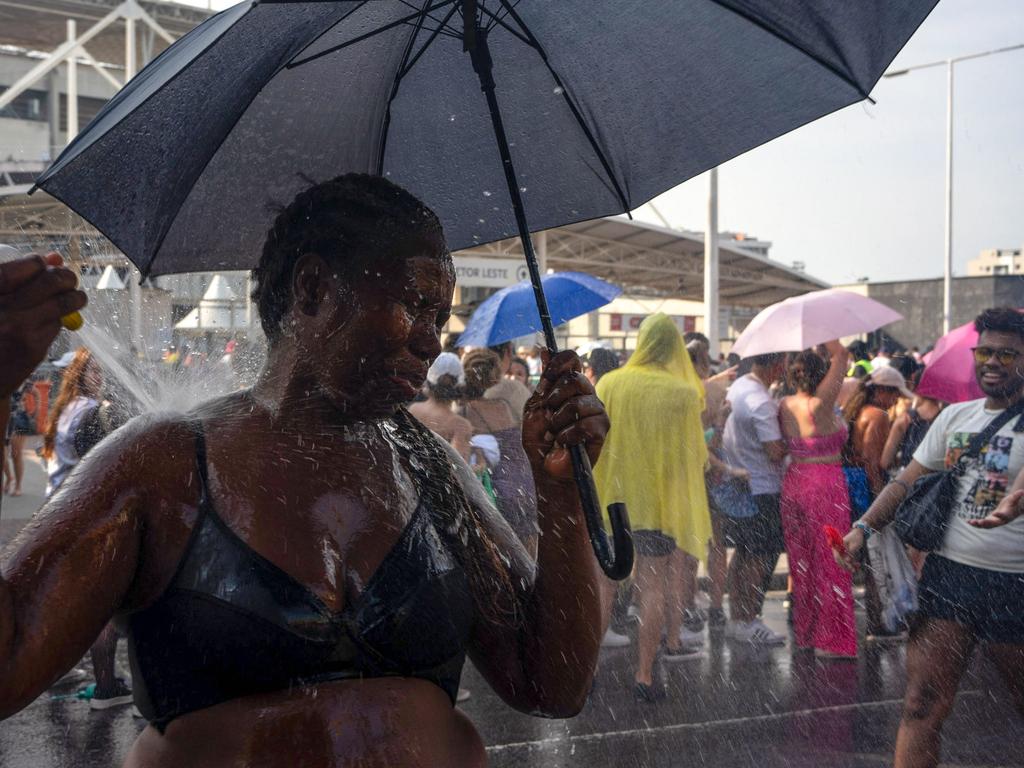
201 466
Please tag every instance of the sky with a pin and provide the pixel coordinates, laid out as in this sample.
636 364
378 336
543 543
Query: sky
860 193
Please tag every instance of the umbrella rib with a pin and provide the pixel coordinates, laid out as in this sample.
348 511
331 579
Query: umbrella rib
535 44
144 271
500 22
408 67
403 68
423 13
391 25
793 44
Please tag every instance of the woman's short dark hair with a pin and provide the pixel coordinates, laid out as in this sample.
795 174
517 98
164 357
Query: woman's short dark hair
352 221
858 350
1001 320
807 371
601 361
446 389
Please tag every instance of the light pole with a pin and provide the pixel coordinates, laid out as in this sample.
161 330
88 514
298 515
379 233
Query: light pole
947 285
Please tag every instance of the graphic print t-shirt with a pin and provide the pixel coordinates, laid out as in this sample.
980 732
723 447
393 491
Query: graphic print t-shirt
985 482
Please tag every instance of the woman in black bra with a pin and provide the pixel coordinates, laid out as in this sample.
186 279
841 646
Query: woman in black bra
300 567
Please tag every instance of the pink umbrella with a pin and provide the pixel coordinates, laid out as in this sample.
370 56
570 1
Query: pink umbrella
949 375
804 321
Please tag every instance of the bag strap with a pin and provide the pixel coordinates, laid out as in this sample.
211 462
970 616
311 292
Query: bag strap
975 445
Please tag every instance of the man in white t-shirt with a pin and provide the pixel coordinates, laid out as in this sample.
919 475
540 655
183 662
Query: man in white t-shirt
972 587
752 441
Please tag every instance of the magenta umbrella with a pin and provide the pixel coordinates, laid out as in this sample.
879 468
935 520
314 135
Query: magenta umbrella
949 375
802 322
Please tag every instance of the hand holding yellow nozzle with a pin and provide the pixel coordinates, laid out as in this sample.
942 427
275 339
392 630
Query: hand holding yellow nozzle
73 320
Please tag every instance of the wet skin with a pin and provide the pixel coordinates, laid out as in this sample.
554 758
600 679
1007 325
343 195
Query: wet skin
299 470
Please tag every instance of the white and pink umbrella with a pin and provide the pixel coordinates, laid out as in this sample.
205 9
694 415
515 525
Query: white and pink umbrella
802 322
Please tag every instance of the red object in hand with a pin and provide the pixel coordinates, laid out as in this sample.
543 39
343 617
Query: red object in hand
835 539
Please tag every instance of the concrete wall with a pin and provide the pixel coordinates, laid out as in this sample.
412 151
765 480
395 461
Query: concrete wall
920 303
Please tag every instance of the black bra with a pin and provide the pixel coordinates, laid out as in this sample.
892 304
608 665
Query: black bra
231 623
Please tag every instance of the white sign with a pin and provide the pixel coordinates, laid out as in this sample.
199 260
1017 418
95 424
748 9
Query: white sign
489 273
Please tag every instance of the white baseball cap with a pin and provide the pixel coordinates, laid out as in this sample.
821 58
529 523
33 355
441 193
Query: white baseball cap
887 376
446 364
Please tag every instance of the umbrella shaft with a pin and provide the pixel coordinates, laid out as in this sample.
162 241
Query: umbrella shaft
481 56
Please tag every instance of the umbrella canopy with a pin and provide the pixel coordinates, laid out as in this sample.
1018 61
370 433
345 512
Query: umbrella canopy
512 312
802 322
266 95
949 375
606 104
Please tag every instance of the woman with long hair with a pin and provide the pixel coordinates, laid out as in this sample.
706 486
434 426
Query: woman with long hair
79 395
302 567
516 495
814 494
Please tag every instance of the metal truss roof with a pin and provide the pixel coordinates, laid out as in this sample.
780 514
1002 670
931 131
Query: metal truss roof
643 258
648 259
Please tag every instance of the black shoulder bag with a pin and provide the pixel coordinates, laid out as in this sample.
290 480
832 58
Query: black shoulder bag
922 518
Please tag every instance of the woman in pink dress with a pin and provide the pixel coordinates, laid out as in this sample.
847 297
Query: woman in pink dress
814 494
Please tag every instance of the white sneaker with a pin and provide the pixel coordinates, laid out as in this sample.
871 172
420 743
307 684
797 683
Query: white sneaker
613 639
690 639
757 633
462 695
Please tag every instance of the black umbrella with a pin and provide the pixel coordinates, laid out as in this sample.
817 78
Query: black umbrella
604 104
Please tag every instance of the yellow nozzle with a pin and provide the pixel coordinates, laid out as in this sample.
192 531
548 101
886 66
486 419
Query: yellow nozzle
72 321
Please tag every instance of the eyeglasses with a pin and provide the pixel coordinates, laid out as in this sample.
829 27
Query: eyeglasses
1004 356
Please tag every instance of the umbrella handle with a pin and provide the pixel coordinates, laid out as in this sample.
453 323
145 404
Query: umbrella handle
615 561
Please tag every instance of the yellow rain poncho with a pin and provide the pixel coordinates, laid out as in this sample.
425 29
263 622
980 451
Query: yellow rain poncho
653 458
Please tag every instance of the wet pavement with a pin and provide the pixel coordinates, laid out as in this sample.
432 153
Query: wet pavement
736 707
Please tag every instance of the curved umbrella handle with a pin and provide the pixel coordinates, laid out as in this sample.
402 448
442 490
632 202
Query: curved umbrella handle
616 561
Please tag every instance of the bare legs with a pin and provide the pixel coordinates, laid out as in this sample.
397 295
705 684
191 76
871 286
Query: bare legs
18 459
102 653
718 562
937 655
680 592
748 575
651 579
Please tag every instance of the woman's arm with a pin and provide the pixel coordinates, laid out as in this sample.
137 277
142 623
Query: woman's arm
828 390
544 663
75 564
892 442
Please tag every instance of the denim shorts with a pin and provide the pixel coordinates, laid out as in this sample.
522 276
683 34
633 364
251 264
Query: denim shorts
989 603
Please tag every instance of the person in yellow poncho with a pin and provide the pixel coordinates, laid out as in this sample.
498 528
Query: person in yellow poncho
653 460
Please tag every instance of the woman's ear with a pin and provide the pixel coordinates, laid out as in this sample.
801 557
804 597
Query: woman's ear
310 278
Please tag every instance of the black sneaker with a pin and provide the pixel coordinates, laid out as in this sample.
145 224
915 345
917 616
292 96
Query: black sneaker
648 694
120 696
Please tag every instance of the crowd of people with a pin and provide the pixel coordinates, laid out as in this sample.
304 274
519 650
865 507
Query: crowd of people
427 512
760 460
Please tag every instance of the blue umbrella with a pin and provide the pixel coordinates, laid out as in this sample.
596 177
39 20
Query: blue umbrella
512 312
594 107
